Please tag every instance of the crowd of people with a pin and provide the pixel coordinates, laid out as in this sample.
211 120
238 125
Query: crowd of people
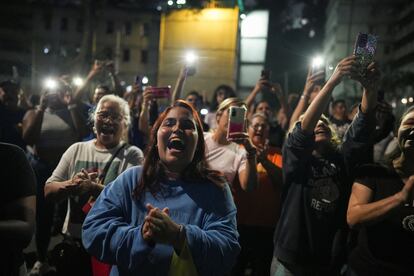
136 185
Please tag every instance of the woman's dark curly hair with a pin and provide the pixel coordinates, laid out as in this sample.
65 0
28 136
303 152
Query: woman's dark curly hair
229 93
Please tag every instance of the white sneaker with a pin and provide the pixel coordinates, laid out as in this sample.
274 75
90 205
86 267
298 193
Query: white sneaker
40 269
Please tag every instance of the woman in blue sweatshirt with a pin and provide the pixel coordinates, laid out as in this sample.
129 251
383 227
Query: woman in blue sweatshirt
148 212
317 176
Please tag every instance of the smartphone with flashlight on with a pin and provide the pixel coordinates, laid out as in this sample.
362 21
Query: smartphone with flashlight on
190 63
237 118
364 49
161 92
318 67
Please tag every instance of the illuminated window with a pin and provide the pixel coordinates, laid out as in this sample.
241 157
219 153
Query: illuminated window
255 24
249 74
253 49
253 42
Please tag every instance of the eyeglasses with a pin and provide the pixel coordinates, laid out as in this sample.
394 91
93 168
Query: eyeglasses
259 126
102 115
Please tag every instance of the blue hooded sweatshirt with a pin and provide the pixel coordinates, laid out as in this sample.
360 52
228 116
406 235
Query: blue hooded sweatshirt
112 229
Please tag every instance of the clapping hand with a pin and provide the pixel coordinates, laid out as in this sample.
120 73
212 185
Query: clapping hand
159 227
84 182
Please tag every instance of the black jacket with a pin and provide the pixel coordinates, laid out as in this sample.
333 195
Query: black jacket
312 227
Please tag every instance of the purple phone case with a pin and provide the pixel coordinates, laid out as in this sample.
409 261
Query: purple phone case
365 47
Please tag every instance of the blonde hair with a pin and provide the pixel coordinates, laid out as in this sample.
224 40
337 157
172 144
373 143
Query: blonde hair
335 141
123 106
226 104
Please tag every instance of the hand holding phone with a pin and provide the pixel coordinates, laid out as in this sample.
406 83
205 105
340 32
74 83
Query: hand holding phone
236 125
364 49
161 92
318 71
265 75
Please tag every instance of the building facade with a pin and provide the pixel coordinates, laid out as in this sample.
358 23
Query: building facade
393 22
52 39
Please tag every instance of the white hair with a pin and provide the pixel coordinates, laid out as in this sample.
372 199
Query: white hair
123 106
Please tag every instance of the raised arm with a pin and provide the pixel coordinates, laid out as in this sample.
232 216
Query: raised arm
357 140
277 89
310 87
179 85
370 88
312 115
78 120
143 122
260 85
97 68
248 174
32 121
116 83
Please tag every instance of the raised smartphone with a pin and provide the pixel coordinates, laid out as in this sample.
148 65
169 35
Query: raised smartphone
237 118
161 92
316 69
266 74
364 49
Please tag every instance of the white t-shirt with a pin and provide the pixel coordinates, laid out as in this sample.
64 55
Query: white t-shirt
229 159
211 119
85 155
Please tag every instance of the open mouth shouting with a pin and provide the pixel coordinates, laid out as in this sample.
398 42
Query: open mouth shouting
107 129
176 144
408 140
